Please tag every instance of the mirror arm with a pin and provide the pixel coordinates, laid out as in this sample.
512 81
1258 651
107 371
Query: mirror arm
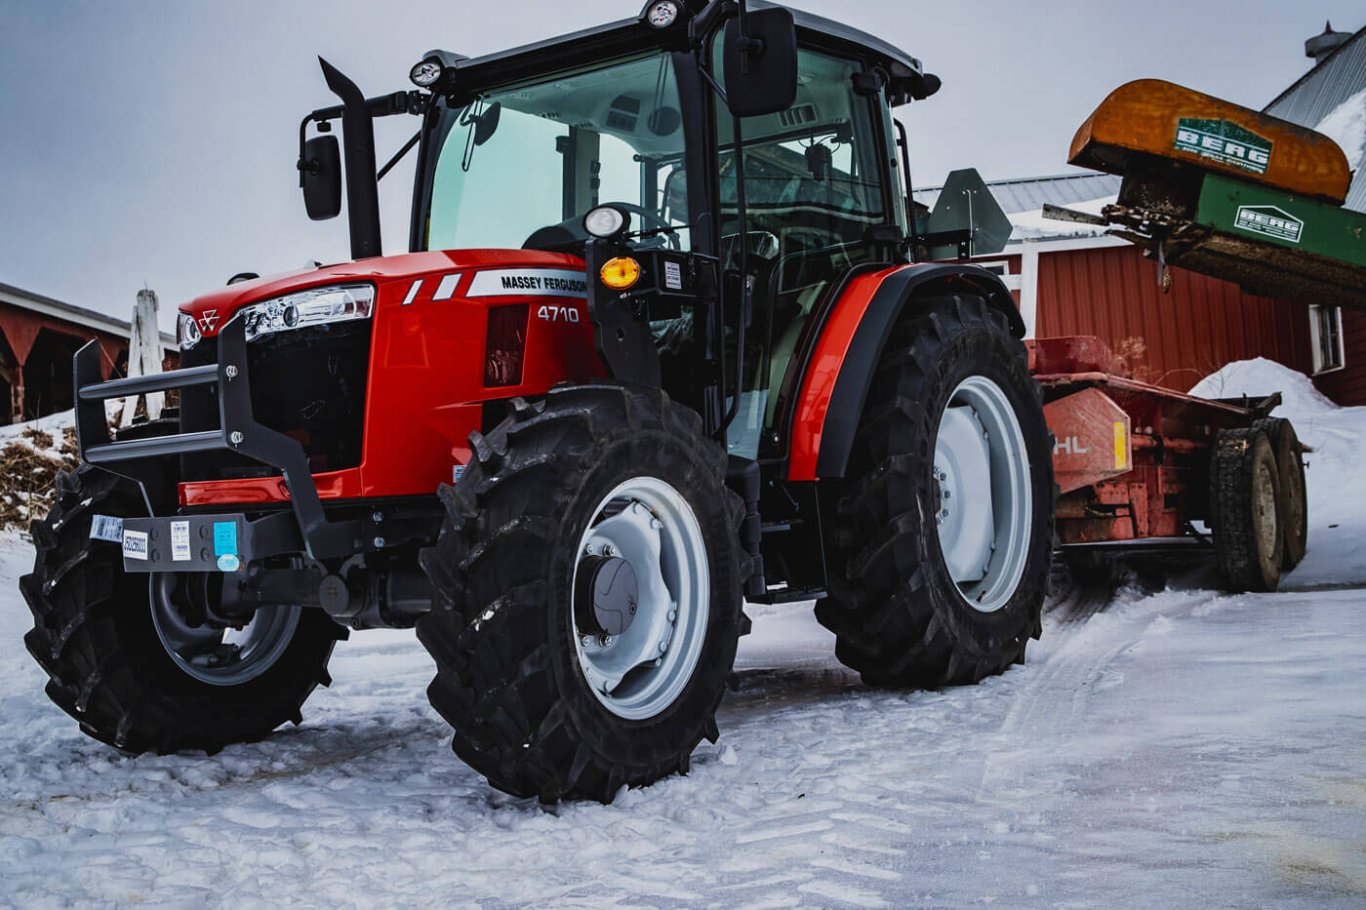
407 147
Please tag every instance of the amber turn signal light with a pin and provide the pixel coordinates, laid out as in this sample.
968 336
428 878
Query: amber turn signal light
620 274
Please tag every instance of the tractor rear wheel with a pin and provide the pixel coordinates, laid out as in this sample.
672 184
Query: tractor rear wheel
1245 501
944 526
587 610
136 668
1294 507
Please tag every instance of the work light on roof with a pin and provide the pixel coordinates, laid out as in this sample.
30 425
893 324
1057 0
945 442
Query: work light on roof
425 74
662 13
605 221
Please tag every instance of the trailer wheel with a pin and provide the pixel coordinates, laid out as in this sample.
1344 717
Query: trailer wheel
1245 500
136 672
944 526
588 578
1294 505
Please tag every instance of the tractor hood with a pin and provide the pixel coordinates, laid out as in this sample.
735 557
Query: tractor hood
389 274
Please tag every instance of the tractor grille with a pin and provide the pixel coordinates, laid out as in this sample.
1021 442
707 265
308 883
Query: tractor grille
308 384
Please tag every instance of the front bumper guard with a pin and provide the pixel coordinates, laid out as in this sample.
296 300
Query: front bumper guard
141 460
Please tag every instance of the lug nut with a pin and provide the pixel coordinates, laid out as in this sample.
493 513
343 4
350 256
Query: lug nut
663 646
673 616
585 640
377 517
588 550
379 543
607 550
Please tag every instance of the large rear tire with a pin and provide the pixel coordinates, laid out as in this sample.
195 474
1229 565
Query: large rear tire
588 580
944 527
129 667
1245 502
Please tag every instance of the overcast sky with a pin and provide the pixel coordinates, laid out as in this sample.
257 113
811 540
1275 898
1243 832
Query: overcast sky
155 141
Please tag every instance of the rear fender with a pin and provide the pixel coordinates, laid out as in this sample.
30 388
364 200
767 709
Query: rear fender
850 346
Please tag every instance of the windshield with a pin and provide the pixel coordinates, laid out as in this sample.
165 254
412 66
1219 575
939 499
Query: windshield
520 166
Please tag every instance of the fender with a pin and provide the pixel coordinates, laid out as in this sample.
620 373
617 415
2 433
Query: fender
850 347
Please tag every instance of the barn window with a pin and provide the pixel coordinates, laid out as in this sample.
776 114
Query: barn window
1325 334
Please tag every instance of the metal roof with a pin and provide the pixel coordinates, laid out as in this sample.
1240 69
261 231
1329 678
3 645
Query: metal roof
1028 194
81 316
1318 92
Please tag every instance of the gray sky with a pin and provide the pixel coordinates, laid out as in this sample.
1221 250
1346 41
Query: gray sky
155 141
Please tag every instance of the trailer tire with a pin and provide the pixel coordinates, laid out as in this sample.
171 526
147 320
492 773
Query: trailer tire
1294 505
526 689
96 636
1244 505
900 615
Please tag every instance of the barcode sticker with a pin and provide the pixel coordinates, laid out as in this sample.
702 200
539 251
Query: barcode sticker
104 527
180 541
135 545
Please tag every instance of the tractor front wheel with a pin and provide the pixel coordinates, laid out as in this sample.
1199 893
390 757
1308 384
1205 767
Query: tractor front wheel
139 666
588 582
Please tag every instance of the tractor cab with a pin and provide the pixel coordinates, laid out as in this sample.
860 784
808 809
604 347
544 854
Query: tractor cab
790 145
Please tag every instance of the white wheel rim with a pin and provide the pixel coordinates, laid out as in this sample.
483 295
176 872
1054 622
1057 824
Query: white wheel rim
984 503
1265 504
641 672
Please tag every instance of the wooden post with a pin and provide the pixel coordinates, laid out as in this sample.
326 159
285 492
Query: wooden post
144 355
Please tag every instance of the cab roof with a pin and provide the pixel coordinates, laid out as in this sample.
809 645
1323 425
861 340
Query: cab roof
628 36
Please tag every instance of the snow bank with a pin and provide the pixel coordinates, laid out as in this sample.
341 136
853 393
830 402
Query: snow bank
1346 125
1259 377
1337 485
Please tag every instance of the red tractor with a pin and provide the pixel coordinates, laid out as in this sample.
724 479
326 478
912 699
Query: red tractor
667 338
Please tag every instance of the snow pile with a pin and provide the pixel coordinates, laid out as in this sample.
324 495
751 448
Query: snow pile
1337 486
1033 225
1346 125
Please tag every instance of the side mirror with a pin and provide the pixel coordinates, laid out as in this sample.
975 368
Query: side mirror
320 176
761 65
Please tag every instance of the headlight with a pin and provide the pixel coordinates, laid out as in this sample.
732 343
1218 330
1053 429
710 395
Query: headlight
187 332
316 306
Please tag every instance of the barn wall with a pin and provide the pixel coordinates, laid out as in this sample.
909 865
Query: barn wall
1172 339
1348 386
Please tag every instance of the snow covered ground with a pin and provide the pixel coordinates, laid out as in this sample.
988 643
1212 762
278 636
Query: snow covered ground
1182 749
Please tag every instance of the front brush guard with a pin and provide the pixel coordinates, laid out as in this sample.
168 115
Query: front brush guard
141 459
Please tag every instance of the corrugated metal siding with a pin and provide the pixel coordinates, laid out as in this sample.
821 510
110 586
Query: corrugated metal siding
1030 194
1171 339
1323 88
1348 386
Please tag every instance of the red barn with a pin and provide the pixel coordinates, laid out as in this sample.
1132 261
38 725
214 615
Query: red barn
38 337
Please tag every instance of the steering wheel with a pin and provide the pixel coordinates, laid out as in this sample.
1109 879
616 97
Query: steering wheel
653 219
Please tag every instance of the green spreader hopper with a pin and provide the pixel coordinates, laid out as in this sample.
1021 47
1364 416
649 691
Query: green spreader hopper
1227 191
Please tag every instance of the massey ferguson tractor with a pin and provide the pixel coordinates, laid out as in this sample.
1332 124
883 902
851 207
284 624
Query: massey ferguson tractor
668 335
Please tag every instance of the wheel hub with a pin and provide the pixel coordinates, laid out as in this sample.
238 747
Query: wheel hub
606 596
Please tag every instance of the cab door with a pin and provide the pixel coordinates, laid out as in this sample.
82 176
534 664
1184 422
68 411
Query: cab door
818 180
